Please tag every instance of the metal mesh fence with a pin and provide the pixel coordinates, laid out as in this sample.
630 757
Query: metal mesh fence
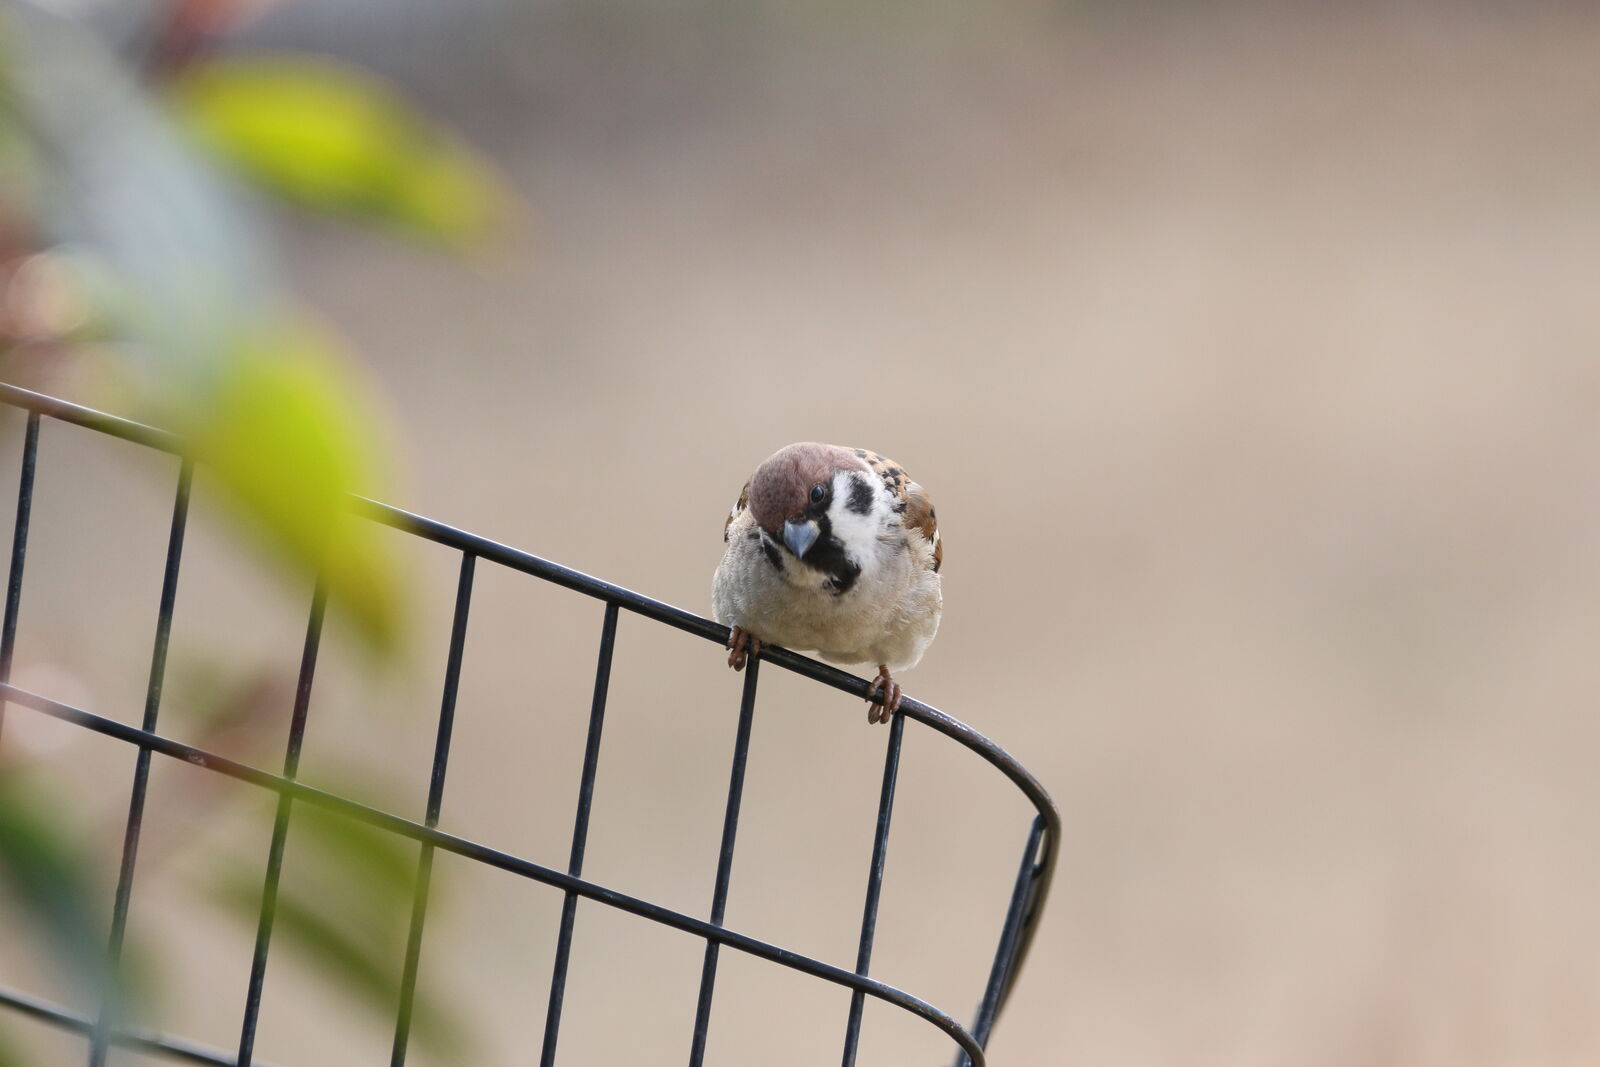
101 1030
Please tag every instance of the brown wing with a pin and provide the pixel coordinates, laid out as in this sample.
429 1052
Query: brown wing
744 502
920 516
914 503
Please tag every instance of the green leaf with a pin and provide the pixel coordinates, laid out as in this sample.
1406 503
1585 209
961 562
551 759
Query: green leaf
9 1056
333 138
380 865
183 283
52 882
284 435
344 906
367 968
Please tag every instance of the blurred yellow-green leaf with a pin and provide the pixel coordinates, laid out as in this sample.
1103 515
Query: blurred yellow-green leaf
285 436
353 925
332 137
9 1056
51 880
381 866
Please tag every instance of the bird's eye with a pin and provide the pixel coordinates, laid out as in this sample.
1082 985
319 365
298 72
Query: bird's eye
818 493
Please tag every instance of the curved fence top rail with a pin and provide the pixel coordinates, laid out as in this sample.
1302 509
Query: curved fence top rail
1039 859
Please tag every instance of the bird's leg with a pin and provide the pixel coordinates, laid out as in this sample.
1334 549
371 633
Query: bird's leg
890 692
742 644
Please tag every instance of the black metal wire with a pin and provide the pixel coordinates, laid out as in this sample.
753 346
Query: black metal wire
504 861
689 622
111 1004
580 836
1006 955
441 759
869 915
280 828
730 831
528 563
133 1037
19 551
1022 915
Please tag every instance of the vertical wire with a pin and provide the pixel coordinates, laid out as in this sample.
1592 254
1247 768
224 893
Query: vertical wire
869 916
580 836
19 551
1005 956
110 1002
280 828
441 758
730 828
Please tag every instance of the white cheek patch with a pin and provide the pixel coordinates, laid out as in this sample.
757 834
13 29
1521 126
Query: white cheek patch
857 532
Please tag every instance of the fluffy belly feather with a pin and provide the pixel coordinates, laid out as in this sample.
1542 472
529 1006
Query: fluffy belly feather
889 616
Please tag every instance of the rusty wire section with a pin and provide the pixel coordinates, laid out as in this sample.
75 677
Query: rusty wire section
103 1029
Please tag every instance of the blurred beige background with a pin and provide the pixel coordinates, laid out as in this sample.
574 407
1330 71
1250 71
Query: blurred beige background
1250 354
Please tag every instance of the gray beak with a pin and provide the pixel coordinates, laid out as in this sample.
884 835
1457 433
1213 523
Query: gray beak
799 536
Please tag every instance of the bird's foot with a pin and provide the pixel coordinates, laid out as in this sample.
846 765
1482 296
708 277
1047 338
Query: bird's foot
886 690
742 644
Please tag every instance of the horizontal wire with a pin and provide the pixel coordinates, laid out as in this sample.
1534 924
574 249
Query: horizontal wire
526 562
143 1040
504 861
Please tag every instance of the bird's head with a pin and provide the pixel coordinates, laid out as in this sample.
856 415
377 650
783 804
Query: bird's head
812 498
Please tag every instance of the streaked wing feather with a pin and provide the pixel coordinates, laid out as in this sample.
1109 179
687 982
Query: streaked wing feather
744 502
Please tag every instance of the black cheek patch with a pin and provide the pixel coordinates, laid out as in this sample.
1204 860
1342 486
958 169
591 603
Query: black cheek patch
828 556
860 500
770 550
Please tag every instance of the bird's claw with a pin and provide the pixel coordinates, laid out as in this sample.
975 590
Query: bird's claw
884 698
741 646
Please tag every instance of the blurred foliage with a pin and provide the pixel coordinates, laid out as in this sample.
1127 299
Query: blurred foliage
9 1056
281 442
153 256
53 875
327 136
353 920
52 880
124 248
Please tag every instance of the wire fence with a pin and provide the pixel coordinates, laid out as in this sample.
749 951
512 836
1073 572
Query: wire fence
1027 899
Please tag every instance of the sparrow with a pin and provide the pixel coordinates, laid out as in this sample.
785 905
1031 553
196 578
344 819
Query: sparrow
833 550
